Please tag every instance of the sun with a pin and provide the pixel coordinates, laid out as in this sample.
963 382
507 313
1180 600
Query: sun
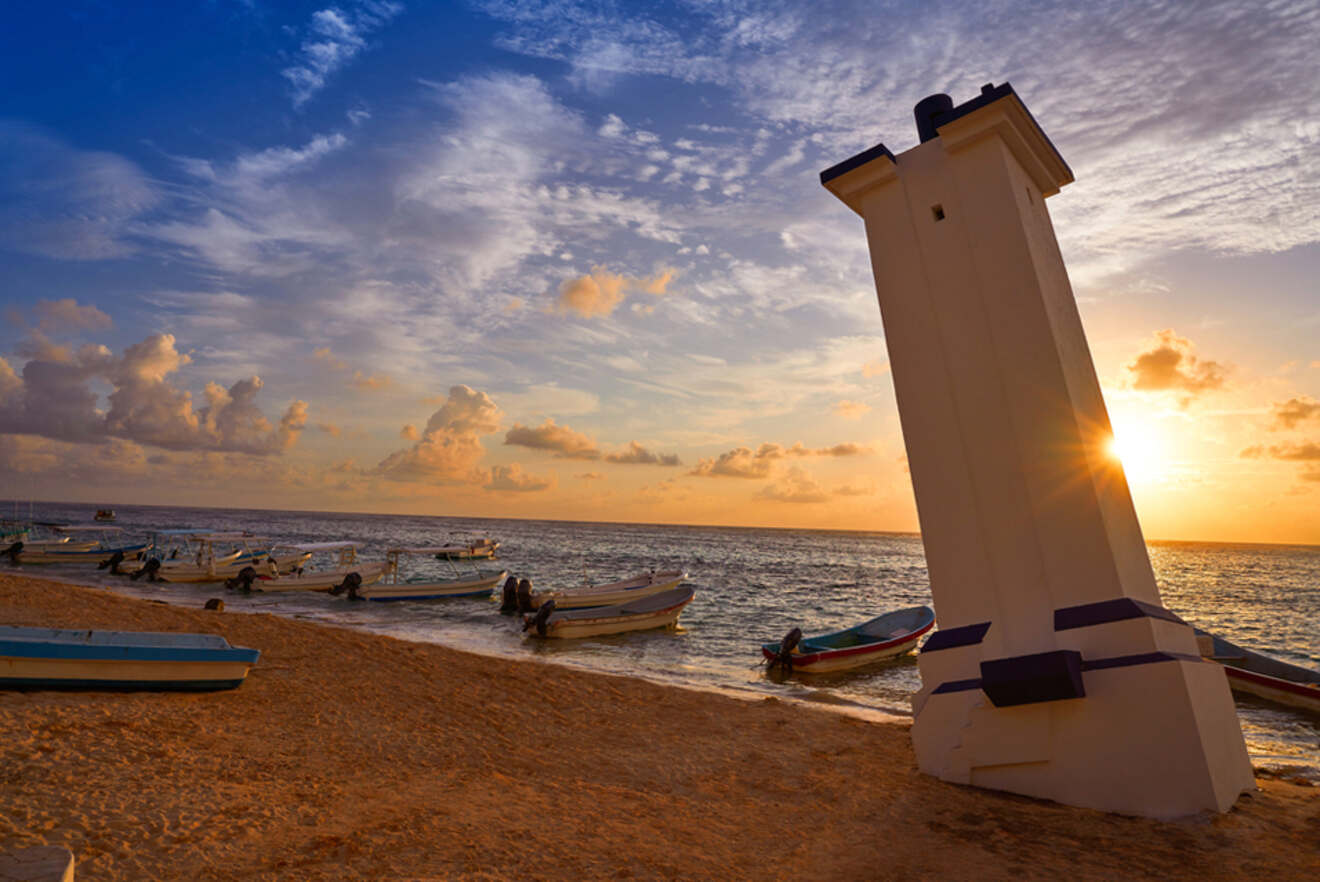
1140 450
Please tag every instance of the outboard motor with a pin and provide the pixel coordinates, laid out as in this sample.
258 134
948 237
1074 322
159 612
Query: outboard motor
243 581
784 658
509 599
112 563
12 552
525 596
539 620
352 582
148 569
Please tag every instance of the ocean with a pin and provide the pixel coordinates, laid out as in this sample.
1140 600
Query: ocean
752 585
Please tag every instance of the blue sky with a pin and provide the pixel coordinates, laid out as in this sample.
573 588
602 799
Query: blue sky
573 260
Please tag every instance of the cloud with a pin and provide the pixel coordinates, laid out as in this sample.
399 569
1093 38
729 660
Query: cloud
794 486
512 478
330 429
67 315
410 433
54 399
1171 366
877 368
1288 414
450 446
1306 451
851 410
334 37
359 380
599 293
636 454
590 476
60 202
742 462
561 440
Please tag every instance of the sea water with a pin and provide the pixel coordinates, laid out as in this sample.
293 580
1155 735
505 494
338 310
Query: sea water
752 586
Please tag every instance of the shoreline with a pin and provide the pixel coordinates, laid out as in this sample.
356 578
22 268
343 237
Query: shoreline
354 755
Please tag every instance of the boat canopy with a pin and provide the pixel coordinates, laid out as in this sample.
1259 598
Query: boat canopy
227 537
310 547
425 549
86 528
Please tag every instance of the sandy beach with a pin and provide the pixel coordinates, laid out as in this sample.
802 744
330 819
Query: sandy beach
349 756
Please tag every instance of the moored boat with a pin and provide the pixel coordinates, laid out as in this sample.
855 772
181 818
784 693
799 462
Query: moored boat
1257 674
886 636
473 549
638 614
641 585
346 573
104 514
195 556
56 658
422 587
85 550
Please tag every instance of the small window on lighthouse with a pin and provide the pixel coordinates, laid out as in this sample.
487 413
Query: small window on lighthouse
938 212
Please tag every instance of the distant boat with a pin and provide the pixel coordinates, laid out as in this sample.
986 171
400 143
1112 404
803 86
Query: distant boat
1262 676
393 587
54 658
104 514
886 636
477 548
640 614
641 585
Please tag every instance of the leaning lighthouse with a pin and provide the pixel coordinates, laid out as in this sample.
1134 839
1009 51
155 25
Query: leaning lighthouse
1056 672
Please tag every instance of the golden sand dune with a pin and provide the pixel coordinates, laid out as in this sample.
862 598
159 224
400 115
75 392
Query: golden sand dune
349 756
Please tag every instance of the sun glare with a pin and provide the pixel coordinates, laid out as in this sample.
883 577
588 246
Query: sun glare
1141 452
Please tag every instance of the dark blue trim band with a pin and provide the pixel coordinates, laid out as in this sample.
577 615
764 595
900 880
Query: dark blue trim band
957 686
853 162
952 637
1106 611
56 649
1144 658
120 685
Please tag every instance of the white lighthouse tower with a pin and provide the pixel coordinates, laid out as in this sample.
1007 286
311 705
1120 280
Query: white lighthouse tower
1056 672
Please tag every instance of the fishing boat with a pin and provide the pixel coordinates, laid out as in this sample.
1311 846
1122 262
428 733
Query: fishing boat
474 549
86 550
345 573
638 614
886 636
57 537
394 586
52 658
104 514
641 585
191 556
1260 675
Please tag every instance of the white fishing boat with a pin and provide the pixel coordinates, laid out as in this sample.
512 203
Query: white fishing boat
470 550
53 658
190 556
641 585
58 537
395 586
1261 675
96 544
345 572
641 614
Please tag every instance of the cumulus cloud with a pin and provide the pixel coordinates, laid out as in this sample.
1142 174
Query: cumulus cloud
66 314
54 399
636 454
1172 366
513 479
560 440
795 485
409 433
851 410
600 292
1306 451
334 37
743 462
1288 414
450 446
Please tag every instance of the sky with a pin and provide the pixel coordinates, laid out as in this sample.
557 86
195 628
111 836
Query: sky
573 260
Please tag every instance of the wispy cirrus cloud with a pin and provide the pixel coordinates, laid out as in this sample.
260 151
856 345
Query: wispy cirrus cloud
333 37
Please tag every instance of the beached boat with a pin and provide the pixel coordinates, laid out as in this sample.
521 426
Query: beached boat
394 586
638 614
346 573
61 658
886 636
475 549
191 556
85 550
641 585
1262 676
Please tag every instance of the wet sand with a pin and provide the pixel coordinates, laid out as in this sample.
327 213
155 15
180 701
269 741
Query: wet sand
350 756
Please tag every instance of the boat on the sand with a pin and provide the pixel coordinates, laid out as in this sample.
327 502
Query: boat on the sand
886 636
1257 674
623 591
638 614
56 658
394 586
